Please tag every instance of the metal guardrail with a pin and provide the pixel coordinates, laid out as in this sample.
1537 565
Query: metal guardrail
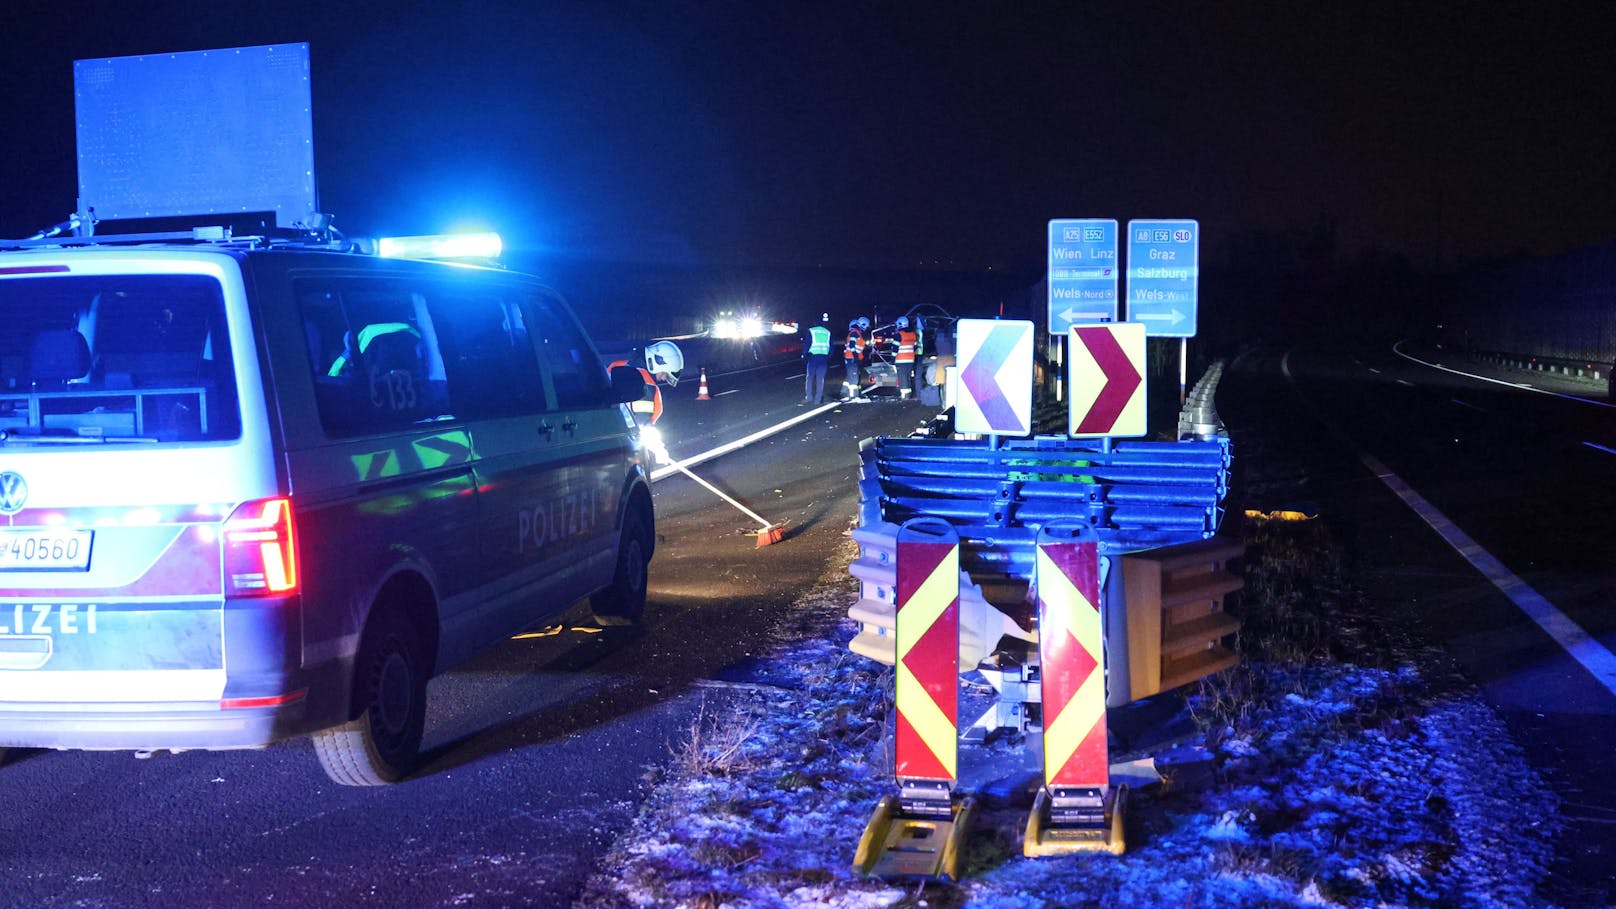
1199 417
1137 496
1555 366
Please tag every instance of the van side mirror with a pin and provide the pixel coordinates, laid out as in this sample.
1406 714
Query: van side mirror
627 384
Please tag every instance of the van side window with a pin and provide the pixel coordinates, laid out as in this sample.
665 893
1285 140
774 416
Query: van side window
375 355
492 367
576 371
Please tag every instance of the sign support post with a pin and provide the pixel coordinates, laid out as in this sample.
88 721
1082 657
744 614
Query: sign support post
1183 368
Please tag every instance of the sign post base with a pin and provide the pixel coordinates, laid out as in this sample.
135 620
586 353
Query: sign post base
907 844
1102 832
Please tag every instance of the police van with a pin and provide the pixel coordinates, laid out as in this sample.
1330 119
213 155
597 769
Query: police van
256 489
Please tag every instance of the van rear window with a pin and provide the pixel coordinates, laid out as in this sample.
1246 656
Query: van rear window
88 358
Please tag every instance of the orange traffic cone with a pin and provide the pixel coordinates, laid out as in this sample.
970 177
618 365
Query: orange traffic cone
702 395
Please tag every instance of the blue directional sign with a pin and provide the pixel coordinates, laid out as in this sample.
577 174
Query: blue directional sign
1163 272
1082 272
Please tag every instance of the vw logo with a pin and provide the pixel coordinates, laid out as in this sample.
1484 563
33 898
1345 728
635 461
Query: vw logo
13 492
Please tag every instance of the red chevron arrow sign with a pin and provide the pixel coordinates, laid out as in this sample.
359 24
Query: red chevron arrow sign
1106 374
995 377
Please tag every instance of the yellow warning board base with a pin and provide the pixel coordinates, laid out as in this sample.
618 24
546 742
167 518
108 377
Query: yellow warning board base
895 845
1043 839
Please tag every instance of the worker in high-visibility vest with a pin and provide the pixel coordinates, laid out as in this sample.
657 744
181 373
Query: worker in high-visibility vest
907 342
663 360
853 356
816 350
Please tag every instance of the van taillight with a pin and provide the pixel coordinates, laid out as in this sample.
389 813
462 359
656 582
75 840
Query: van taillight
259 556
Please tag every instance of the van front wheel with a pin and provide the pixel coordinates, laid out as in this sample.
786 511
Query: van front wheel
381 745
623 603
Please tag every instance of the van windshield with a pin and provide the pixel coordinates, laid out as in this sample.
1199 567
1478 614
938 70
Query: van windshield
113 358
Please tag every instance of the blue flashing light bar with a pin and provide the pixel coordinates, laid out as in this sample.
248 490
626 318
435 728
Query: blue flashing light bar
441 246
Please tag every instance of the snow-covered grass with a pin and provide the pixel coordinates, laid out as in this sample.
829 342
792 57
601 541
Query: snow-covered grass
1345 765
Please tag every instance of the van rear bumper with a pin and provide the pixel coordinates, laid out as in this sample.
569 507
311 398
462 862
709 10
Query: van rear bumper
148 726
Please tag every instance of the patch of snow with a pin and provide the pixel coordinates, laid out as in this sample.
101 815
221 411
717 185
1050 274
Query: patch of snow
1340 786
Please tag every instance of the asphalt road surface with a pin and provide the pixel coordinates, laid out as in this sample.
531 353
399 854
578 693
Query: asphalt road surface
1404 445
538 751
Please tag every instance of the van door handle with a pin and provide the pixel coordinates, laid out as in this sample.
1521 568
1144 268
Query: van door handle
570 424
545 429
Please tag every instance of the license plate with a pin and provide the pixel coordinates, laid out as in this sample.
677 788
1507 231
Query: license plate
45 550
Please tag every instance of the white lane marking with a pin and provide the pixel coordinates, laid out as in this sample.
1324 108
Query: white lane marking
723 393
1467 404
1398 349
1405 382
1571 637
1374 370
737 372
728 447
1602 448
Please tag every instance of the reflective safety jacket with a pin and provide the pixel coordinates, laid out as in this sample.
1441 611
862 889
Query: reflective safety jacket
366 335
653 406
906 346
854 348
819 341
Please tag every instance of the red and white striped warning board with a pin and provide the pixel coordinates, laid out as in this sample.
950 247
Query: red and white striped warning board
928 653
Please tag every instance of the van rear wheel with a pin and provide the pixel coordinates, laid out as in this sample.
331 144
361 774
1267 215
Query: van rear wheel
623 603
382 744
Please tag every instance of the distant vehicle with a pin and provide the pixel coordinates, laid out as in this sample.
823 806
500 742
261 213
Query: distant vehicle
935 326
254 490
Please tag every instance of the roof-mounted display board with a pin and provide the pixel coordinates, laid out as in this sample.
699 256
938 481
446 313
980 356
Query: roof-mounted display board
201 133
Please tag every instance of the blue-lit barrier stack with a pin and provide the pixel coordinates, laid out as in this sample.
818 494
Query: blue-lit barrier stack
1137 496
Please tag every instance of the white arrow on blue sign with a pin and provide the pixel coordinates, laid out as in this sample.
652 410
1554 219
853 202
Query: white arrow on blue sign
1082 273
1163 276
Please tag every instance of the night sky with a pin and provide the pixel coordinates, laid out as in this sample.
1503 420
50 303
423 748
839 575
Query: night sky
893 134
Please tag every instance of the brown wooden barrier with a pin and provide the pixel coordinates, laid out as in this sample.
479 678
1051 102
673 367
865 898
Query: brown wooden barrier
1176 622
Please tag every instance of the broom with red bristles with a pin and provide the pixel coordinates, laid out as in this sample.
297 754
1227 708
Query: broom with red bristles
652 439
771 533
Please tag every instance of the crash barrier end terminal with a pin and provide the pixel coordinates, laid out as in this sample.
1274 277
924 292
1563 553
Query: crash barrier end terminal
1147 514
